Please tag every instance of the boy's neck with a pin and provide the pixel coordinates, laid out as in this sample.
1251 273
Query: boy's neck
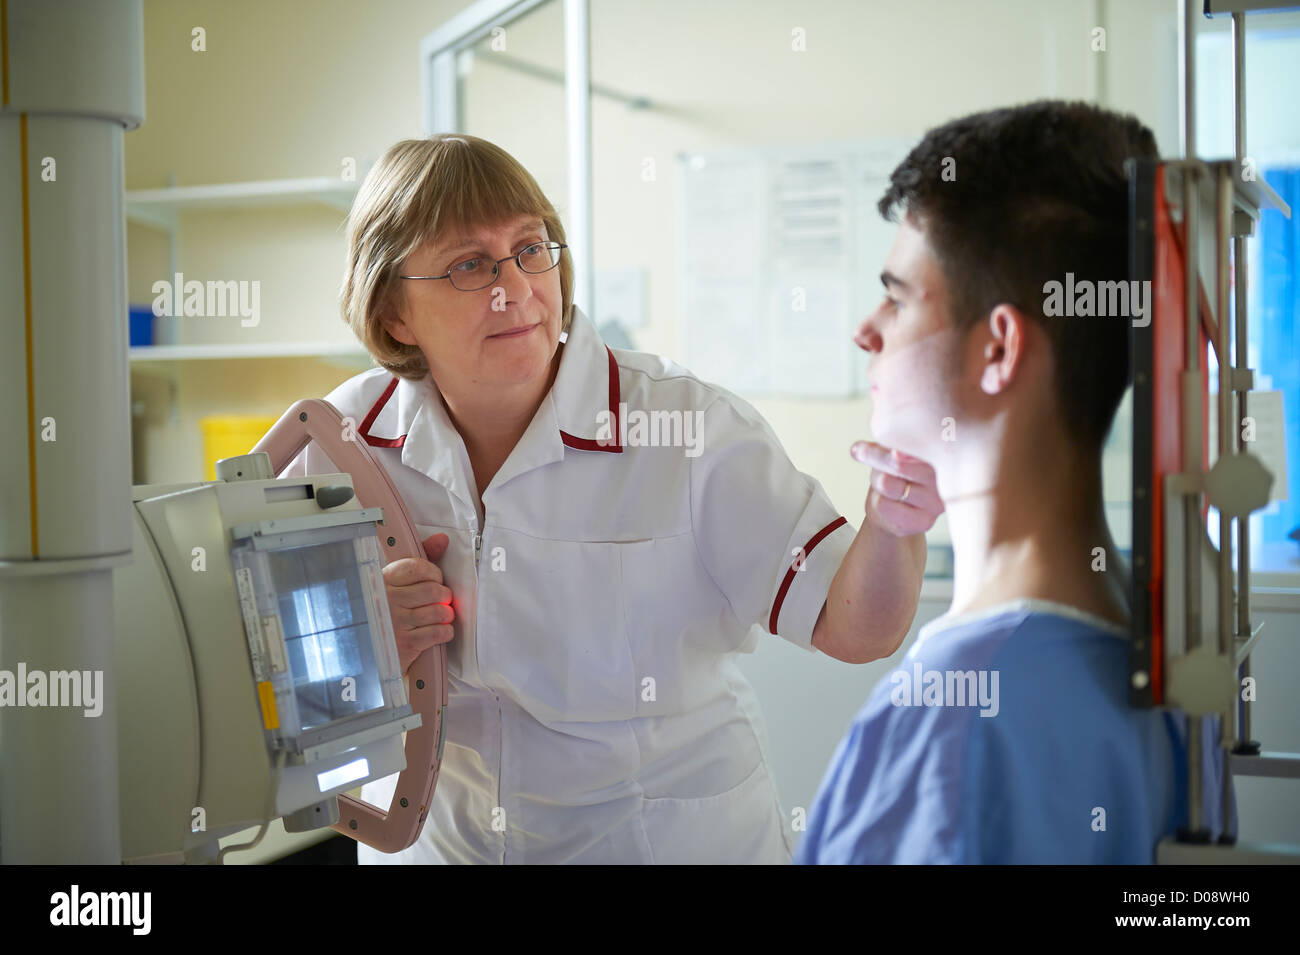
1031 529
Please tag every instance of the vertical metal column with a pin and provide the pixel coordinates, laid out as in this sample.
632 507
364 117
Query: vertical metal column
1223 194
1240 264
1240 365
1225 187
577 88
1190 403
73 82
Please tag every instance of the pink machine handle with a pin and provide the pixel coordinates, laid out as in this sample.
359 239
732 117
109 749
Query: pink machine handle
397 827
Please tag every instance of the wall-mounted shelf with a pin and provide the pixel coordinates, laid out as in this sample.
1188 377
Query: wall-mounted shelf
161 207
151 353
159 364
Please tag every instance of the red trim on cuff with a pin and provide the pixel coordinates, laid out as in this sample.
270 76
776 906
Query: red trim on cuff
789 574
372 414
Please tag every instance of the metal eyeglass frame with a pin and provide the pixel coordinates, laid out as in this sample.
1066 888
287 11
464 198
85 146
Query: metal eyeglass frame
496 267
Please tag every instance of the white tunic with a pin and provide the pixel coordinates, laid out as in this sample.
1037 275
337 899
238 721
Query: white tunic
596 713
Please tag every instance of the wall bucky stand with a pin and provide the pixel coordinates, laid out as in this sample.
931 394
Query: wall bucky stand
1192 633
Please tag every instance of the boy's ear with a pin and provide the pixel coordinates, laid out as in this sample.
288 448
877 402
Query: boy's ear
1003 348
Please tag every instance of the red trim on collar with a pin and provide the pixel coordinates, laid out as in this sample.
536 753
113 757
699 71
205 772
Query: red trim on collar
582 444
615 396
789 574
373 413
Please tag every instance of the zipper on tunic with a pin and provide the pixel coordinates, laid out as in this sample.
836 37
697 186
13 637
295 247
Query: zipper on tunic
500 742
478 550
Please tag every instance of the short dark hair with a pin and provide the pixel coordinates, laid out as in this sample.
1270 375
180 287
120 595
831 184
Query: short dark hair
1030 193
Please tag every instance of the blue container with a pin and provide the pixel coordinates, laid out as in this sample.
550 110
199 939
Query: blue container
141 318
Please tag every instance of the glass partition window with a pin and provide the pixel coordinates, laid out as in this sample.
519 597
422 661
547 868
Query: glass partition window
1273 267
511 92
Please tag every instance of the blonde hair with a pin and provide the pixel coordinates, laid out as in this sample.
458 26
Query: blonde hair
419 191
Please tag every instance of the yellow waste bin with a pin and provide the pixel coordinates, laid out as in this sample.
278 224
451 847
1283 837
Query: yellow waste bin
225 436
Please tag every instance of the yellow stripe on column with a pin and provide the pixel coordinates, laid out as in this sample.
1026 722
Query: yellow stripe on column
4 50
27 325
270 715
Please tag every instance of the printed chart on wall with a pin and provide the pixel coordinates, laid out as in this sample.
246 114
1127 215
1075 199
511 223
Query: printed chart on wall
780 251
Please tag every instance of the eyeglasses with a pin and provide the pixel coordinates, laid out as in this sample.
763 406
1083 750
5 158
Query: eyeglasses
474 274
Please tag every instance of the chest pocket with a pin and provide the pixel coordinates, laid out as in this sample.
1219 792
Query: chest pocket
552 627
679 624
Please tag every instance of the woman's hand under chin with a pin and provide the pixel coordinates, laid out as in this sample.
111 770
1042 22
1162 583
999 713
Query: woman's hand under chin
904 497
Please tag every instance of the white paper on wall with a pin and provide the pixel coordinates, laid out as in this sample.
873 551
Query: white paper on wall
780 254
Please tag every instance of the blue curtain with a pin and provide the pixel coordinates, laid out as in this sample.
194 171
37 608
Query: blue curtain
1278 325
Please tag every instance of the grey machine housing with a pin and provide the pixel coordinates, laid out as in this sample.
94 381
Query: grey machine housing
196 747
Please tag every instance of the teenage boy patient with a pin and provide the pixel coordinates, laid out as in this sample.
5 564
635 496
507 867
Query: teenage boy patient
1005 734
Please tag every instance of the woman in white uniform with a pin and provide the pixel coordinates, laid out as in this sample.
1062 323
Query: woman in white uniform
614 530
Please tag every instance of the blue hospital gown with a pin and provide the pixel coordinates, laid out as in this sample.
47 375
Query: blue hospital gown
1060 754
